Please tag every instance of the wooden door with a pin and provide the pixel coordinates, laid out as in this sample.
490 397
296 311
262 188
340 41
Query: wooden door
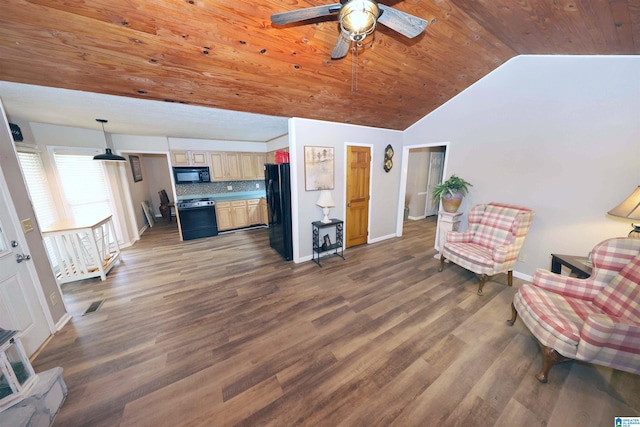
357 212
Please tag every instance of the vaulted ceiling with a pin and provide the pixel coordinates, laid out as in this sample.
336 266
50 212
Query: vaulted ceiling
226 54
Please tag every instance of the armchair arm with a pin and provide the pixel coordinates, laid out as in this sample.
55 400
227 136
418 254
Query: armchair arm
506 253
601 330
459 236
572 287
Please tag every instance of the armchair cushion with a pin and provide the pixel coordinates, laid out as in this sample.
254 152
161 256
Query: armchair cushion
621 297
496 226
559 315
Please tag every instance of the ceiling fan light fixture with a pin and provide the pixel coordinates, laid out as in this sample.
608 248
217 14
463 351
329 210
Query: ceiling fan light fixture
358 18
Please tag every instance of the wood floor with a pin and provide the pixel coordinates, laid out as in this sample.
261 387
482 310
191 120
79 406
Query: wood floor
220 331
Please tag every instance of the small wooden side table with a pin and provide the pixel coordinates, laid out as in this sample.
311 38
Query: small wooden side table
577 264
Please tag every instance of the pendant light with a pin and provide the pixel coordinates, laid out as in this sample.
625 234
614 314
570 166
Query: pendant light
108 155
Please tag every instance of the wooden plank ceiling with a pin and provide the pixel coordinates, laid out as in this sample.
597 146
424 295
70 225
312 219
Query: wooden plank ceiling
226 54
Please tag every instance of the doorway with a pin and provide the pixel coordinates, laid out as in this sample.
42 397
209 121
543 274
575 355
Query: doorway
424 172
423 166
357 195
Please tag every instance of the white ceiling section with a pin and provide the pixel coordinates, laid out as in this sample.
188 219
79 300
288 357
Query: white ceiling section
132 116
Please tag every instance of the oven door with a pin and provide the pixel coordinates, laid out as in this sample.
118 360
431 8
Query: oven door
198 222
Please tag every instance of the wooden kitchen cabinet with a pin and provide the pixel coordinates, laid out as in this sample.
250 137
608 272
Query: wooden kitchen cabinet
223 216
264 212
259 160
254 212
225 166
248 166
189 158
253 165
230 215
239 214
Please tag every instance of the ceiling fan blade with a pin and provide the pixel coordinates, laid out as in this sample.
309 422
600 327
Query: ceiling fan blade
402 22
341 48
304 14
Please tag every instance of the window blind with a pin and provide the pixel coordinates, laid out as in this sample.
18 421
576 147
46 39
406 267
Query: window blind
84 185
38 187
40 195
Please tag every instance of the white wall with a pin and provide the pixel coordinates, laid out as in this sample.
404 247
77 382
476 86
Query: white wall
558 134
278 143
216 145
385 186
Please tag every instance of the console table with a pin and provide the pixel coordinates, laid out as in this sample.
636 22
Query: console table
577 264
321 247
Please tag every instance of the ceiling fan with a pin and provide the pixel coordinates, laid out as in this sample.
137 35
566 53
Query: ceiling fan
357 19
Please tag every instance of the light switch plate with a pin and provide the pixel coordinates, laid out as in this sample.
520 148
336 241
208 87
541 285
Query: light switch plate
27 225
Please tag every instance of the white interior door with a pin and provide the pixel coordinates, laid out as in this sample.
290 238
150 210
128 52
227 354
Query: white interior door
20 308
436 166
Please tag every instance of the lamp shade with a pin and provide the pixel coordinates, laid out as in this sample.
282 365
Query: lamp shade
108 155
358 18
325 200
629 208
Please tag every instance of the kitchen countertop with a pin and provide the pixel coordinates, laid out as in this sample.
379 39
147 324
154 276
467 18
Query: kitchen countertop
227 197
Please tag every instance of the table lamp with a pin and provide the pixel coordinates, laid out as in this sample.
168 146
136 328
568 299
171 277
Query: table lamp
325 201
629 209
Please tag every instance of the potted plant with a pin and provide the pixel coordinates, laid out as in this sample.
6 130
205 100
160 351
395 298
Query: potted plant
451 192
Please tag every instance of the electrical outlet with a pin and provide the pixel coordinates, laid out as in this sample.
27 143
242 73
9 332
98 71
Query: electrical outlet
54 298
257 185
229 187
522 257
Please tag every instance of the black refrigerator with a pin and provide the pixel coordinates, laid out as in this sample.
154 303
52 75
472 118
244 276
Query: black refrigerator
278 187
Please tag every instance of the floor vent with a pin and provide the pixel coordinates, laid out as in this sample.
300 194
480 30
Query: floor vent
93 307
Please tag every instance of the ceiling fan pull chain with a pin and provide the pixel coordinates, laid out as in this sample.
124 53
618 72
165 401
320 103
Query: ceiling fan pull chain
353 53
356 64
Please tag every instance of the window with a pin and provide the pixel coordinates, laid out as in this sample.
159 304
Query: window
38 186
40 195
84 185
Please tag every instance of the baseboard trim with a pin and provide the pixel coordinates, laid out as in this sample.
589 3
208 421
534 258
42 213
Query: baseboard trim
381 238
63 321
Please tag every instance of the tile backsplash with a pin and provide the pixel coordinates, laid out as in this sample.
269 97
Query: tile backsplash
219 187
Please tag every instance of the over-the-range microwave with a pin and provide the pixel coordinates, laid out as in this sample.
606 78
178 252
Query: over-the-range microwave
188 175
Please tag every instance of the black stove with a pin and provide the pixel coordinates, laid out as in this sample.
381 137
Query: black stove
195 203
197 218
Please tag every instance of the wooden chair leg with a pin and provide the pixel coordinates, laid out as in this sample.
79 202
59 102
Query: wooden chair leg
510 277
441 262
514 315
483 279
550 357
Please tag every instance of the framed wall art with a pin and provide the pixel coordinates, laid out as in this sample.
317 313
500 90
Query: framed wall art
318 168
136 169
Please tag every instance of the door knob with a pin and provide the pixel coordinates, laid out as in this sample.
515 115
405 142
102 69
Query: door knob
22 257
348 205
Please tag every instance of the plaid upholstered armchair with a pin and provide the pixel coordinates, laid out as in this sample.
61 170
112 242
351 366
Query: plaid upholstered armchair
491 244
596 320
